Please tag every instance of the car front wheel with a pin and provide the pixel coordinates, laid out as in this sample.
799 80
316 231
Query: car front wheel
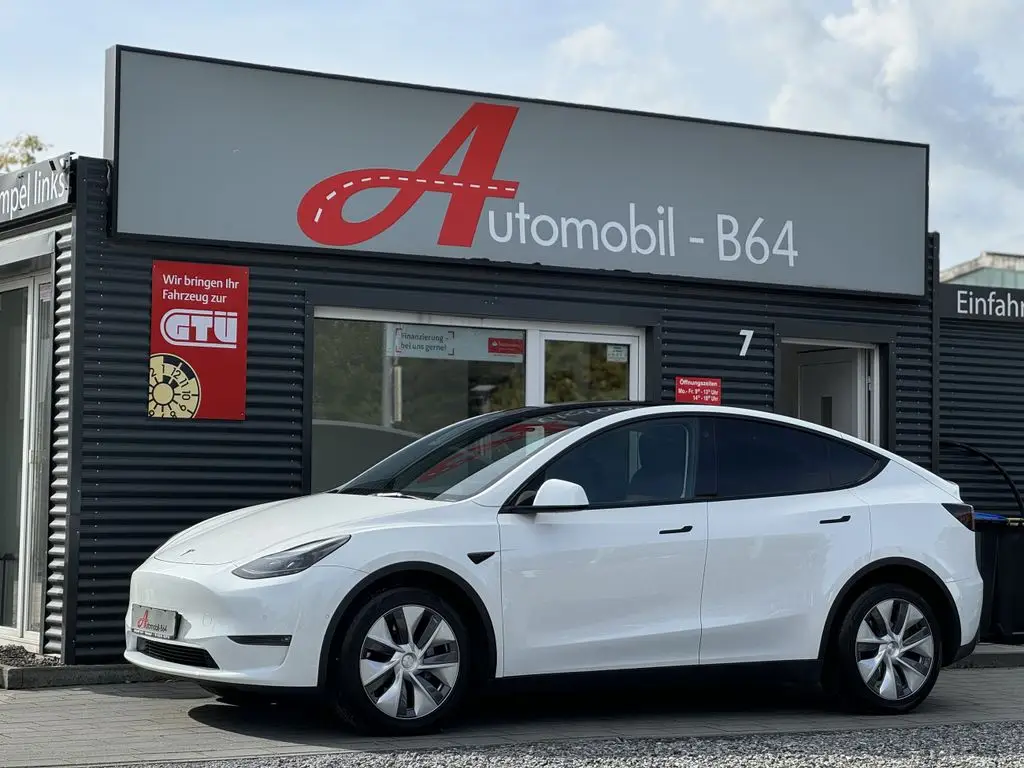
403 665
887 653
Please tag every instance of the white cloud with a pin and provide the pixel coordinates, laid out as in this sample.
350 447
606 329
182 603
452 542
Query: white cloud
594 45
626 62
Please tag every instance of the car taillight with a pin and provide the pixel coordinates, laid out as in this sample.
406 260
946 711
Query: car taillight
962 512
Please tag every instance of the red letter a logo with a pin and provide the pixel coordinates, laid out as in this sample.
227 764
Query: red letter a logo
485 126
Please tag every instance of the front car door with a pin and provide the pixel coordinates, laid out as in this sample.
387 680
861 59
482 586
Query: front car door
785 532
617 584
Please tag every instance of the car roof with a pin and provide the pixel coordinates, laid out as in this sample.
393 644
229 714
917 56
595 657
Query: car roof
624 407
627 410
725 410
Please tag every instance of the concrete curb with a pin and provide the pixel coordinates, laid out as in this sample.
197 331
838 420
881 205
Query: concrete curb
23 678
57 676
1003 660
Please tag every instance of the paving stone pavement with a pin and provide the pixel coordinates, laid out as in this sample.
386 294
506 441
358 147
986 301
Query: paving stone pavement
110 724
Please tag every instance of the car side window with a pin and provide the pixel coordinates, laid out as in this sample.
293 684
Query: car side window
849 465
759 458
651 461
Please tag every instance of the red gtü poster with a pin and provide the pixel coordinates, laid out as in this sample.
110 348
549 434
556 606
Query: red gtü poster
198 336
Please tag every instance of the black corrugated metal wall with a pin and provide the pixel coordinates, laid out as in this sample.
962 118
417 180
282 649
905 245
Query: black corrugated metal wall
57 530
142 481
981 403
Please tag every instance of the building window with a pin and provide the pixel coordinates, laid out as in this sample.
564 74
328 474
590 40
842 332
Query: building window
383 379
379 385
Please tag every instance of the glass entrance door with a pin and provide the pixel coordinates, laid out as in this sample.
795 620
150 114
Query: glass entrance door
589 366
14 320
26 323
38 502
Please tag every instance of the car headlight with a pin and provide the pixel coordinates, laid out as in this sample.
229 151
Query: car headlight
294 560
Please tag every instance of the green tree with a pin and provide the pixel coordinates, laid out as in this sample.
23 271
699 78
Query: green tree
20 151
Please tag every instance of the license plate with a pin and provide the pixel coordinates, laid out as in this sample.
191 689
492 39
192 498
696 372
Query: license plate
154 622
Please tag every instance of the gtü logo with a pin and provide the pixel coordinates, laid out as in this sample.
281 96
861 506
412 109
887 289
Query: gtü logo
200 328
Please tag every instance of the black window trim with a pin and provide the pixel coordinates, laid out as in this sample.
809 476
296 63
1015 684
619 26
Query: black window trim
881 462
508 508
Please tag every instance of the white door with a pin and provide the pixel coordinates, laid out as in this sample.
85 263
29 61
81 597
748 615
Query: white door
830 390
571 367
780 542
616 585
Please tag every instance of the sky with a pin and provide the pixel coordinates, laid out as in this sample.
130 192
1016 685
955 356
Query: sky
949 73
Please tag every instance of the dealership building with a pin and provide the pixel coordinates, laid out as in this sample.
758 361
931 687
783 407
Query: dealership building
272 279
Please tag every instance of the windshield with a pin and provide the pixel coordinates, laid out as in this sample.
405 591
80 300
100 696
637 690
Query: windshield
463 459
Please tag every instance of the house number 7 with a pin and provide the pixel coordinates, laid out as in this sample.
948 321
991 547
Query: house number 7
747 336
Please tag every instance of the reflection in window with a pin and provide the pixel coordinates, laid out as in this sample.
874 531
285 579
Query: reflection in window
761 459
648 462
585 371
379 386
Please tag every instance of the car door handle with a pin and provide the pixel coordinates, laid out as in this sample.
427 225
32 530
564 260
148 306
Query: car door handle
843 519
684 529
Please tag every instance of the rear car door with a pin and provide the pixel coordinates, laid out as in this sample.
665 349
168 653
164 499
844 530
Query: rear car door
785 532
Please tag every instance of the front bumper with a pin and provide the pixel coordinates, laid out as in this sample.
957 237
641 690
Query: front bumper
233 631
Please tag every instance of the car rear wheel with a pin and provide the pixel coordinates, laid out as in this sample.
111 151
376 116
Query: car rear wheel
403 665
887 653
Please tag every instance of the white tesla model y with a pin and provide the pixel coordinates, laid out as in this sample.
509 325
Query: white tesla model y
574 538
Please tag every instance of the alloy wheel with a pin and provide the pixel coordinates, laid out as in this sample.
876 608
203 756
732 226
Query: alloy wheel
409 662
895 649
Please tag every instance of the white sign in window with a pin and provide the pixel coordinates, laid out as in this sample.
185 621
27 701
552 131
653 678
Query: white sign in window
617 353
439 342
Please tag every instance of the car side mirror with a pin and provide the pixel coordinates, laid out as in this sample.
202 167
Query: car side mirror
559 494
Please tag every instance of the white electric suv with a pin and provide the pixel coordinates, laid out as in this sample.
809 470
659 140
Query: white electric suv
574 538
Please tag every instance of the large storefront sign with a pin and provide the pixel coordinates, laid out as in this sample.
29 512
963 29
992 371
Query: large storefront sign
980 302
198 341
35 189
395 169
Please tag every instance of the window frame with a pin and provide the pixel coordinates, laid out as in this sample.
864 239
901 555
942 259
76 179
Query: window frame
880 461
705 476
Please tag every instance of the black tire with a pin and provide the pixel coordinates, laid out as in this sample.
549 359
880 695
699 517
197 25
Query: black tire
239 697
842 678
348 700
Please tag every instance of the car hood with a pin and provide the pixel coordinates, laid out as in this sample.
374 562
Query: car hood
248 533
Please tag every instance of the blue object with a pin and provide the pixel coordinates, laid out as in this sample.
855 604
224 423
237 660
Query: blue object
990 517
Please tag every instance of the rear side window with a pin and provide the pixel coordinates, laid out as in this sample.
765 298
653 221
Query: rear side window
849 465
758 458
